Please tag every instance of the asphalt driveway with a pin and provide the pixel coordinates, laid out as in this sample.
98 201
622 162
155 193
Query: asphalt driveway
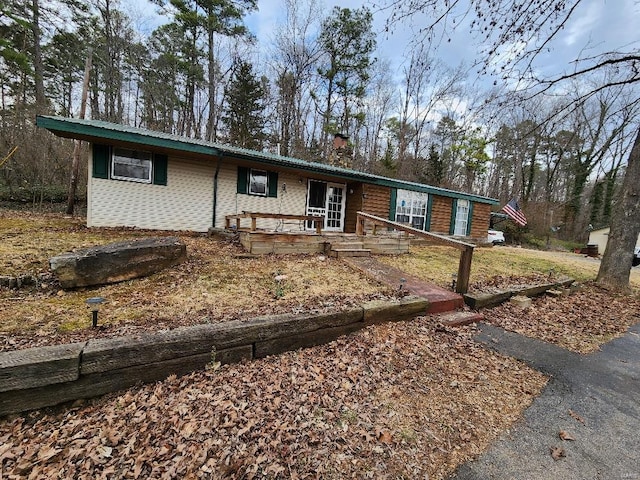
595 399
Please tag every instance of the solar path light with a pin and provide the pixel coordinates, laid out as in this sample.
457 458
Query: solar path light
94 305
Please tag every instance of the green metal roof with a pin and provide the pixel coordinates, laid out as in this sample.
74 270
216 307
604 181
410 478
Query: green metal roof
96 130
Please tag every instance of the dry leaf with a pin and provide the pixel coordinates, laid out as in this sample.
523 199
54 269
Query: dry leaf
385 437
557 453
564 435
577 417
104 451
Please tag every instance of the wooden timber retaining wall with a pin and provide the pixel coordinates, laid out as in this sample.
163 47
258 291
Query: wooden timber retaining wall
46 376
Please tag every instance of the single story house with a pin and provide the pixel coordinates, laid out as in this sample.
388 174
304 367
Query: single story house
600 237
153 180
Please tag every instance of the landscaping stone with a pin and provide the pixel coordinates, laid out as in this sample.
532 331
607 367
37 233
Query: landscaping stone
117 262
484 300
521 301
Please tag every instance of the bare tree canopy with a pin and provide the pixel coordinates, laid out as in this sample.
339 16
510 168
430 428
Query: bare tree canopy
515 34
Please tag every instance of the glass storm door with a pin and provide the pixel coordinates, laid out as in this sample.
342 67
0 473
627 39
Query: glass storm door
335 208
462 218
326 200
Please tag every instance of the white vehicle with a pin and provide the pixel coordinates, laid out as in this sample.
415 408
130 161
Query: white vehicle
496 237
636 257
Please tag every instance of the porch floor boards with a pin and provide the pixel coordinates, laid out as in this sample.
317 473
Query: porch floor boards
440 300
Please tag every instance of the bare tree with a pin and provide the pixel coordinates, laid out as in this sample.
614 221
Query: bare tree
515 34
296 52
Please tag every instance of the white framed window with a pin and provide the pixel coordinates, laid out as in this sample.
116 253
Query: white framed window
411 208
462 218
258 182
131 165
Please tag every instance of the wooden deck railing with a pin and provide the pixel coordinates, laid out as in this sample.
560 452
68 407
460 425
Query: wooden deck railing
466 249
317 221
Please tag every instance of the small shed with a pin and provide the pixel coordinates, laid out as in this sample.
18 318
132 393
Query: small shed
601 236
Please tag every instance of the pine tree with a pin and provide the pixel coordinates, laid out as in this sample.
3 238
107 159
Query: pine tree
243 113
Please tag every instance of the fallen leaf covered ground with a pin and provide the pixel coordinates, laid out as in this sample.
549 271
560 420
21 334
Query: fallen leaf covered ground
403 400
580 322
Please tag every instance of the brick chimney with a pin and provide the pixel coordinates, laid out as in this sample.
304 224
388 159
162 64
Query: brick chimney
341 154
340 141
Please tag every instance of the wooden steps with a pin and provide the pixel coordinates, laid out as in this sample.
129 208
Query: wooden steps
349 249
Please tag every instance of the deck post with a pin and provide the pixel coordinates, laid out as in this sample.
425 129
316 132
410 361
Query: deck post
360 226
318 226
238 224
253 224
464 270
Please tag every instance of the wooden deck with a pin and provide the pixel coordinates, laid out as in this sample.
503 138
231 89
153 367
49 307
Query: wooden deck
310 242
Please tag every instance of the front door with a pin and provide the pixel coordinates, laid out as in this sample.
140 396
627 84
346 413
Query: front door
327 200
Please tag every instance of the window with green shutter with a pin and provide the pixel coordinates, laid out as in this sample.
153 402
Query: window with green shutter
454 210
252 181
160 164
101 156
272 181
242 183
392 204
427 224
129 165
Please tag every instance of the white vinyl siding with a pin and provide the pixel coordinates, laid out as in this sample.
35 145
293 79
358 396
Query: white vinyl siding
291 202
185 203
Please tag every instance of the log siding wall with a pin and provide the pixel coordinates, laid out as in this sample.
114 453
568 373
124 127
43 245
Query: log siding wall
441 214
376 200
480 221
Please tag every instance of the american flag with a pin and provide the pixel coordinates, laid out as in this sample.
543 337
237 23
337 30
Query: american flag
513 210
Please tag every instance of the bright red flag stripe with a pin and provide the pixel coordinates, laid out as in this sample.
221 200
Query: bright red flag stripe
513 210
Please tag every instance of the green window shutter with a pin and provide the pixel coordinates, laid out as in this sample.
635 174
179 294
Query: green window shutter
243 177
427 222
469 218
101 157
272 184
159 169
454 210
392 204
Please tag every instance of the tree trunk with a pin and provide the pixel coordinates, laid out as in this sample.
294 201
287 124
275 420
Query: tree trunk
615 268
211 60
38 67
75 165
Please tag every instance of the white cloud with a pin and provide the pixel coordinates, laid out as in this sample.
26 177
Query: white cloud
583 24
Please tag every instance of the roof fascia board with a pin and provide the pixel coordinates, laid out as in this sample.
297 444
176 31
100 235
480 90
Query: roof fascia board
97 132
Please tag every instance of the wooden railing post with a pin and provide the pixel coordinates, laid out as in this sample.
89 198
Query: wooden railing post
464 270
359 225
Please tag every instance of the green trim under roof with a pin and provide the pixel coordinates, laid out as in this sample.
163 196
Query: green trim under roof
99 131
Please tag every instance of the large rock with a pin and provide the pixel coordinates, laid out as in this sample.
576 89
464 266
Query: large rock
117 262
